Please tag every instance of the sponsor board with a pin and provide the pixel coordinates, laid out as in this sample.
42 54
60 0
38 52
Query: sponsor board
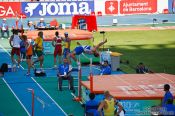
61 8
9 9
138 6
171 6
111 7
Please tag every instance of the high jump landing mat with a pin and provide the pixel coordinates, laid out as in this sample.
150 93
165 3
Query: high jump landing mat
136 92
76 35
132 86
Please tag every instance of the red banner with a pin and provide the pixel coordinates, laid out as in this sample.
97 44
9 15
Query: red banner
9 9
111 7
138 6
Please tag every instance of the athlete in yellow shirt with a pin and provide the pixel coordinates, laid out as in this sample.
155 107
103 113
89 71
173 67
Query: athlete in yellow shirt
39 49
108 105
67 43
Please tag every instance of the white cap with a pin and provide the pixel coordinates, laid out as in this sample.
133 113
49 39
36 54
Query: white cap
42 19
4 19
30 22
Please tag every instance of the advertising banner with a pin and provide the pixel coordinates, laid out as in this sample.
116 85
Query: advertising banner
9 9
138 6
111 7
171 6
61 8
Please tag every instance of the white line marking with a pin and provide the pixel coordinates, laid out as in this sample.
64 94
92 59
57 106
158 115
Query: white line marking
36 83
75 97
9 54
49 96
68 86
164 77
16 97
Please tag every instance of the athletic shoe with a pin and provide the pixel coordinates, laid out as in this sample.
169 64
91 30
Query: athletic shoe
14 68
78 63
35 57
55 67
42 70
27 74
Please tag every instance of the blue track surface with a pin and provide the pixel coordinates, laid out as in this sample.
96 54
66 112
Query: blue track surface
19 84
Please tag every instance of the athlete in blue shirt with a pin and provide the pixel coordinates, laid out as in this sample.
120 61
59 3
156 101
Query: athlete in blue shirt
168 94
166 103
91 106
105 69
86 49
168 109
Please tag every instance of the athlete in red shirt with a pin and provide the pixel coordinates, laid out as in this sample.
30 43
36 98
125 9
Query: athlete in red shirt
56 42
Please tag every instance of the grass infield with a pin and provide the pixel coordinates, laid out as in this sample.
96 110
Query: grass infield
154 48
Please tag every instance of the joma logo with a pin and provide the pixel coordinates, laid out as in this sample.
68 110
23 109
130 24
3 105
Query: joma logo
60 8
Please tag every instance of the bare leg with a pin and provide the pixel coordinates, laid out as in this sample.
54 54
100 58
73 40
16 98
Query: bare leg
55 60
100 44
59 58
19 60
72 55
29 63
41 59
36 61
12 58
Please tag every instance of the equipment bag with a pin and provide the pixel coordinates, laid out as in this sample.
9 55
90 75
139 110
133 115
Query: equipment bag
39 73
4 67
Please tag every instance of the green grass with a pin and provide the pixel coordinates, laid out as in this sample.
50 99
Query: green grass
154 48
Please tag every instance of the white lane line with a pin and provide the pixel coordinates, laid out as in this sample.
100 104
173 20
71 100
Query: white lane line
9 54
49 96
36 83
16 97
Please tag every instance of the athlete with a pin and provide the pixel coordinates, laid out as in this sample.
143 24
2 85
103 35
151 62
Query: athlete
14 42
86 49
29 53
67 43
39 50
56 42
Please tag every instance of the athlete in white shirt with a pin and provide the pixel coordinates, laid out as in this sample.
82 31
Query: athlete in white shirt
15 44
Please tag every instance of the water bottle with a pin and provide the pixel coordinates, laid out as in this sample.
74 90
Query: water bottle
14 68
9 67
